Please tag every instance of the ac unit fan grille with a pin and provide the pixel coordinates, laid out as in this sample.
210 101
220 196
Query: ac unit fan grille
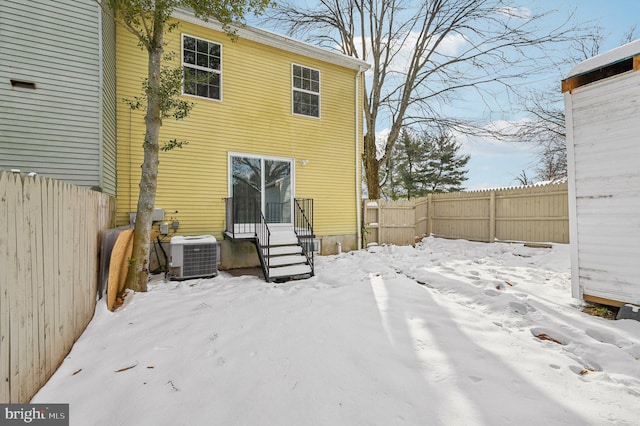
199 260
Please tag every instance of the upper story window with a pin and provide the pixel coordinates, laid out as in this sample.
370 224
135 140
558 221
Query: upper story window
306 91
201 62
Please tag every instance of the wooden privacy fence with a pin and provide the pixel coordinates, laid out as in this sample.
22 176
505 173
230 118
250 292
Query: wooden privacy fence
532 214
49 234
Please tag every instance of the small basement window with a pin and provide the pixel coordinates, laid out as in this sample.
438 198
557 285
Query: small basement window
598 74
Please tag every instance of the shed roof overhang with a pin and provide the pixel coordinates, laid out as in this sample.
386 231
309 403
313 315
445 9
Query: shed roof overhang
616 61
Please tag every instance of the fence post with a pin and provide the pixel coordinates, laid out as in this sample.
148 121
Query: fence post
492 216
380 218
429 214
365 224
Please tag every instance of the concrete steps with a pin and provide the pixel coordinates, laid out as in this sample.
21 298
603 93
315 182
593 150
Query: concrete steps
289 271
285 257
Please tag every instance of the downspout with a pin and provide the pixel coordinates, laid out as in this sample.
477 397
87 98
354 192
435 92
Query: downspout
361 69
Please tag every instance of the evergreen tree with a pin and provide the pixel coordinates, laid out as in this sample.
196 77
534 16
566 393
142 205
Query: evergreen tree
445 171
422 164
402 169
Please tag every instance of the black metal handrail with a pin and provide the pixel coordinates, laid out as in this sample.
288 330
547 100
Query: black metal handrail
303 216
241 215
277 212
263 243
303 227
245 217
230 223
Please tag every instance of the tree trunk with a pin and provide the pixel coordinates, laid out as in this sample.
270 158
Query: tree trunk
138 274
371 166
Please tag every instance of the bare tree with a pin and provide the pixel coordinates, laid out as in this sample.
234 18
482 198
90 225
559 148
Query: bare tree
424 55
545 128
545 125
630 35
523 179
148 20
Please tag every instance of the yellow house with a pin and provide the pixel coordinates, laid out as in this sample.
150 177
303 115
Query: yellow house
274 145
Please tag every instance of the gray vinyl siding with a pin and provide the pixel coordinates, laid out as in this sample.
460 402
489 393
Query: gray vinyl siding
53 130
108 105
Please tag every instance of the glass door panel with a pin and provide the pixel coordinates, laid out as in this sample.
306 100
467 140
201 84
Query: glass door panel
277 191
247 188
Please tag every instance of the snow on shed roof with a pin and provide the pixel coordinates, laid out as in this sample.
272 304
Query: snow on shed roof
619 53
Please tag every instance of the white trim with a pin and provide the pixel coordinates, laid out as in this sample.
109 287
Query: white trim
278 41
311 92
197 67
262 158
576 288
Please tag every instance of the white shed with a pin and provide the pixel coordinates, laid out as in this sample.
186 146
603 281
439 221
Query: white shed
602 110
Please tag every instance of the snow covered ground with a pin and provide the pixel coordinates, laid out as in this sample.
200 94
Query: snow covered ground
440 334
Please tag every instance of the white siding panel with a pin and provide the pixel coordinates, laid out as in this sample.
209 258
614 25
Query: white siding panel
54 129
595 280
606 150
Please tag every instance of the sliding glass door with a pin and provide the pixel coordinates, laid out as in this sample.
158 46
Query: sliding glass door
261 184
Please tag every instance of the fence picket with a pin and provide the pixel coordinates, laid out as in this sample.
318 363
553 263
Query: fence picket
5 264
50 254
17 312
26 257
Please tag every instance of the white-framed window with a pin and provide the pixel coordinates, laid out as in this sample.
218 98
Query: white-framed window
202 67
306 90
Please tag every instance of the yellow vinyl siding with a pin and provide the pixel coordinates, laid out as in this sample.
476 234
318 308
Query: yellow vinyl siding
253 117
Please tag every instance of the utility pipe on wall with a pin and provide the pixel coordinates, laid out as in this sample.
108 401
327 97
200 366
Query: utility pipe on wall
361 69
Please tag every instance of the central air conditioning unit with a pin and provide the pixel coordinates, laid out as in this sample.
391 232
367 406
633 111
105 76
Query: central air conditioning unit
193 257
